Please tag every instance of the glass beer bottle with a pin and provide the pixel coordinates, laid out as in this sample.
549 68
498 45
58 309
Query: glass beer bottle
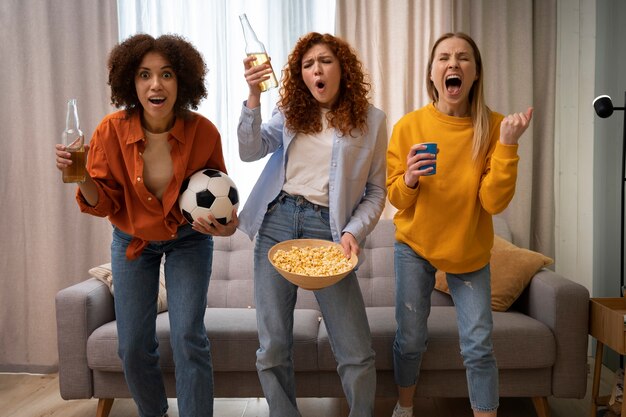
74 142
256 48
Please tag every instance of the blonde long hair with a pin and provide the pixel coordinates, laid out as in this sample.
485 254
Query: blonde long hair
478 109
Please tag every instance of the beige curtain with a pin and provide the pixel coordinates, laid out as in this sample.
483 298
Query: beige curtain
517 40
51 51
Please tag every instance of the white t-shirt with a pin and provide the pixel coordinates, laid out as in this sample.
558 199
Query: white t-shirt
308 165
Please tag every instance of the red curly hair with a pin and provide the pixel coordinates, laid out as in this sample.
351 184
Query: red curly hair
296 101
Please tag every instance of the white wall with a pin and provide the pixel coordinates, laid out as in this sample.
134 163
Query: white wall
591 60
610 78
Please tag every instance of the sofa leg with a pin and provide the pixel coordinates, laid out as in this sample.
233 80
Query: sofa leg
541 406
104 407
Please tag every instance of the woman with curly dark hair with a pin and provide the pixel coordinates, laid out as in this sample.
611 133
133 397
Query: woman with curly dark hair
138 160
324 180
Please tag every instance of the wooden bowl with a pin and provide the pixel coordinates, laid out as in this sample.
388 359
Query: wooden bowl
309 282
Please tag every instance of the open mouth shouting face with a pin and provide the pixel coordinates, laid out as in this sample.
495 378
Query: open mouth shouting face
453 74
157 89
321 73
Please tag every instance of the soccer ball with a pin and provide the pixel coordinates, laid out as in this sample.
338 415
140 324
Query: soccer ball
208 191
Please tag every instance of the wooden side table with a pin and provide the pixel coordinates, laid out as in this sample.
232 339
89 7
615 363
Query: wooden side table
606 325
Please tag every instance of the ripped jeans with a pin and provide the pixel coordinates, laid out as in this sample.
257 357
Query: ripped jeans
471 293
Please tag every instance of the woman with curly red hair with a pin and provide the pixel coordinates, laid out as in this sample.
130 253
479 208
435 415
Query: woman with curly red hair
324 180
138 160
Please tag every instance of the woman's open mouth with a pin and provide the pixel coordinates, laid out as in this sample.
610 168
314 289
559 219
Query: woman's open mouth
156 100
453 84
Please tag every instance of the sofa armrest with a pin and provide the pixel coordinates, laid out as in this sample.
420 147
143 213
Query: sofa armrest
80 309
563 306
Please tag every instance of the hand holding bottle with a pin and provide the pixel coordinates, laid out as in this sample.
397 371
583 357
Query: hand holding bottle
64 157
255 76
73 143
256 57
64 161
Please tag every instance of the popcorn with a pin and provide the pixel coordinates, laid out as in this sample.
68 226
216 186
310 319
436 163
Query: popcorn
319 261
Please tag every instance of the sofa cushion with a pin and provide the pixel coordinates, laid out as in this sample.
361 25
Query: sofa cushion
232 278
512 268
233 336
376 272
104 274
519 341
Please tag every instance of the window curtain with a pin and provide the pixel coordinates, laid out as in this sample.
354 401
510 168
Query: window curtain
52 51
214 29
517 40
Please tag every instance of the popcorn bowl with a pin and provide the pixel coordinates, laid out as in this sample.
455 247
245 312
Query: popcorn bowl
306 281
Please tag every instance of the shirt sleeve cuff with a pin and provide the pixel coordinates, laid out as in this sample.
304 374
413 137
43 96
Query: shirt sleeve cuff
86 208
405 189
503 151
247 121
248 114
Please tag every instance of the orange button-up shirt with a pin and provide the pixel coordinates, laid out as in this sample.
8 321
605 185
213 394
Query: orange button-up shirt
116 165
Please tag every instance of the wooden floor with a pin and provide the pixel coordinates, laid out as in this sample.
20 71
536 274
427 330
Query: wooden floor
26 395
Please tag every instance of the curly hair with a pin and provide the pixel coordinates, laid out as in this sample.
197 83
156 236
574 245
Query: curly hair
187 64
296 101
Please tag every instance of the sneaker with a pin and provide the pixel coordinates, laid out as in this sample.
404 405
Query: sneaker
399 411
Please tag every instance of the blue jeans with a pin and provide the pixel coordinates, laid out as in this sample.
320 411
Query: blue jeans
188 260
341 305
471 293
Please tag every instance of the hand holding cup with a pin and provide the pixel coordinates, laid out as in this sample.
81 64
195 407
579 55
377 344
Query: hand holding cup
428 151
421 160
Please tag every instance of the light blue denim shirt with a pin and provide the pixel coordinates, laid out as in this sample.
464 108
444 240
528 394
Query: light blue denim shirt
356 184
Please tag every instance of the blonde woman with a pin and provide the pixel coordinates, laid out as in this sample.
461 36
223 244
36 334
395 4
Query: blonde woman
444 220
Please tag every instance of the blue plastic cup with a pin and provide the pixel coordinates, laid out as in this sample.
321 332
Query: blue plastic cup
431 147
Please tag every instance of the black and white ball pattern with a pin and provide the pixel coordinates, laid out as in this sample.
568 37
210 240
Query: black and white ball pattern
208 191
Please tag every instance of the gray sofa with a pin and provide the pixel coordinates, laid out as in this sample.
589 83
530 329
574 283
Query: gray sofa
540 343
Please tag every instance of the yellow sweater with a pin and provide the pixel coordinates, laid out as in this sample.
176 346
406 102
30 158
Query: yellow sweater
447 218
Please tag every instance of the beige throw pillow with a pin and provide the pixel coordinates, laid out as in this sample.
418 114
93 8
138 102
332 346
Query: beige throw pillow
103 273
512 268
